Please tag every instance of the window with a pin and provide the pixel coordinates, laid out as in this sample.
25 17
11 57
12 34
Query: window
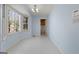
13 21
25 24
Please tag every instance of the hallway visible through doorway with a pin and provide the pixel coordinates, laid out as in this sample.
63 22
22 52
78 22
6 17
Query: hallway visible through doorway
43 27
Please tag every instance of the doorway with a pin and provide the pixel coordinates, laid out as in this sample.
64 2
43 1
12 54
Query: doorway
43 23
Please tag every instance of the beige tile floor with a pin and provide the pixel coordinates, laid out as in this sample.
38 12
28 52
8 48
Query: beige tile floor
35 45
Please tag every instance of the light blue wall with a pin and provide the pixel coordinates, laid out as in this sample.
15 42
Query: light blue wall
36 26
62 31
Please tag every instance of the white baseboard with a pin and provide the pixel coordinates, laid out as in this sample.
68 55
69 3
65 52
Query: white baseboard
61 50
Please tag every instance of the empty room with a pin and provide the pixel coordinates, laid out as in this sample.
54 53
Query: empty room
39 28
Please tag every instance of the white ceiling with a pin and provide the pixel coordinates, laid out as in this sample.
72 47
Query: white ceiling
44 9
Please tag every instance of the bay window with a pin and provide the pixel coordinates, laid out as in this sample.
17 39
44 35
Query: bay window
14 21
